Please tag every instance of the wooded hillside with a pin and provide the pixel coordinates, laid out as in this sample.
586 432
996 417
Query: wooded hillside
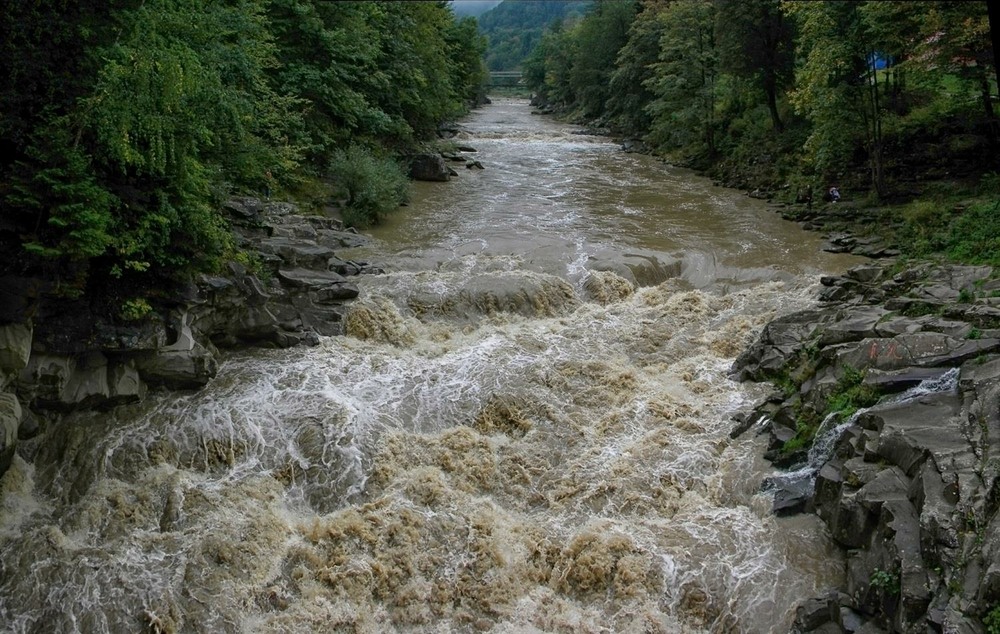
124 124
888 101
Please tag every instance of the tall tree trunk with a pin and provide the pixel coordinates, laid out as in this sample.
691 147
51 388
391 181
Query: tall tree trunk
984 85
771 89
994 17
876 144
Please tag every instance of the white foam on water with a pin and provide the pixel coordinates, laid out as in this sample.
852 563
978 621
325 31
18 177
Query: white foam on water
509 442
522 472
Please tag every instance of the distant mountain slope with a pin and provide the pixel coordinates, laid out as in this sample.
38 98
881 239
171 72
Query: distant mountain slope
514 27
472 8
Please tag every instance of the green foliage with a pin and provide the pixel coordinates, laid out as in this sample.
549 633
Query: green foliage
125 125
970 234
386 72
805 433
633 69
373 186
684 80
547 71
851 394
827 89
514 29
56 186
135 309
466 48
885 582
755 42
600 36
992 620
974 235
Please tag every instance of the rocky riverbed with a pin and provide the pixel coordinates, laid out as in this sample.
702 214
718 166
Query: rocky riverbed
883 419
56 356
896 375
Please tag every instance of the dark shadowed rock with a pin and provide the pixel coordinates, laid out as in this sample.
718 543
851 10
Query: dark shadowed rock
857 324
15 348
429 167
297 252
780 343
10 420
178 369
911 487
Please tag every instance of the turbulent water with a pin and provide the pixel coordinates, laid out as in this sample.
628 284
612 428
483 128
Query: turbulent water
525 430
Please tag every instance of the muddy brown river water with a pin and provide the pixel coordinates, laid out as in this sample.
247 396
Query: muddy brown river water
524 430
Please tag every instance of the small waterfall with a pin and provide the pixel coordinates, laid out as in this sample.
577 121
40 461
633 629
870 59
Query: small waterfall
830 431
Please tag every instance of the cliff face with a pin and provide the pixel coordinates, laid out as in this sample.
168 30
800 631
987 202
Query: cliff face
910 485
55 356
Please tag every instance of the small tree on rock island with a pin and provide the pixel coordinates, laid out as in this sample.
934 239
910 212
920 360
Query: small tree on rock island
373 186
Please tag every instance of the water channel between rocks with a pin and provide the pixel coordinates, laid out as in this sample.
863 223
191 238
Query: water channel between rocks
525 430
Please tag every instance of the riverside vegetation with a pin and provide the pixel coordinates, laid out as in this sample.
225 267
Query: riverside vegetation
124 127
893 103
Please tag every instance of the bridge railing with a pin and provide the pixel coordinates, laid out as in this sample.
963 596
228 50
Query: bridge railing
505 78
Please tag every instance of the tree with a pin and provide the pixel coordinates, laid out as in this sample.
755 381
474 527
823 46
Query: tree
956 39
547 70
466 49
599 37
634 68
328 54
167 102
683 81
837 87
755 41
515 27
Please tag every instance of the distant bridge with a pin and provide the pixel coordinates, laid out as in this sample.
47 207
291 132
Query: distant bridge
505 78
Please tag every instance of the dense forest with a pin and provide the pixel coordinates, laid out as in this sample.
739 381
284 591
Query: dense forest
123 125
885 100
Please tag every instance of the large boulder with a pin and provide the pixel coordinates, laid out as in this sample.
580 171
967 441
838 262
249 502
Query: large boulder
65 382
922 349
10 419
19 298
911 487
15 348
184 364
178 369
781 343
429 167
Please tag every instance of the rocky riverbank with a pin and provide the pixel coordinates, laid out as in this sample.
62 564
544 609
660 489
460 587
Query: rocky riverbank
57 356
887 420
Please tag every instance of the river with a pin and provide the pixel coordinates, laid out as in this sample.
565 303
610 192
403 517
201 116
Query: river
525 429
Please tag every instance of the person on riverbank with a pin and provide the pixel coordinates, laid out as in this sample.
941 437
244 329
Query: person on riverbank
268 181
834 194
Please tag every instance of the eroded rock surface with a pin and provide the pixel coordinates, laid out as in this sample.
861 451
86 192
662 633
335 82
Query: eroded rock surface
56 355
910 486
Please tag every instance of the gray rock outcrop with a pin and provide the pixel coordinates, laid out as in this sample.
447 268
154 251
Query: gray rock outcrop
911 485
73 359
429 167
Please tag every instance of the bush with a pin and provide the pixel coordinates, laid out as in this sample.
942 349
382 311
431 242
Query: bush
992 620
373 186
974 236
134 309
851 394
